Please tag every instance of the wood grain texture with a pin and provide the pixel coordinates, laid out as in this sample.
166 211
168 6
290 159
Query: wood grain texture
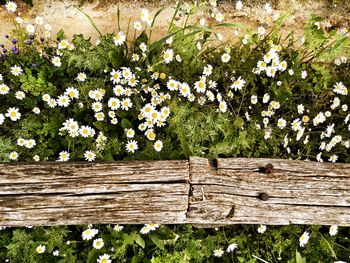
299 192
55 193
199 191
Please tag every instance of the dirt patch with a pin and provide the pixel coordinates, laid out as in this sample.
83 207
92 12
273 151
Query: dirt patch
63 15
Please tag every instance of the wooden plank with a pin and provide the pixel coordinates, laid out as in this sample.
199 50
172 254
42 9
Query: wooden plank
199 191
230 191
53 193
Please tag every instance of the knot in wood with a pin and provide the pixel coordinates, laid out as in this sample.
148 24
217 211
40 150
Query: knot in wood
266 169
263 196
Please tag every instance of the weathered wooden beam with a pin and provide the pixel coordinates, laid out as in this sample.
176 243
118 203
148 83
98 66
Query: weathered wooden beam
231 191
55 193
198 191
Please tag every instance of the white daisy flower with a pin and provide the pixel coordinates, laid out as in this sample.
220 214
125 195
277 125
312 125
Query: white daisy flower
223 106
13 155
219 17
89 156
281 123
130 133
36 110
158 145
13 114
100 116
98 243
63 156
40 249
333 158
266 98
126 104
208 70
39 20
115 76
282 66
30 143
144 15
114 103
225 57
119 39
132 146
168 56
261 229
63 101
118 228
56 61
150 134
303 74
218 252
46 97
200 86
97 106
96 95
63 44
30 28
231 247
16 70
11 6
104 259
52 103
304 239
86 131
333 230
4 89
89 233
2 118
145 230
114 121
20 95
138 25
143 47
21 142
238 84
81 77
72 92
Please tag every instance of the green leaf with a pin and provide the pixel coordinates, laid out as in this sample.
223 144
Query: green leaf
157 14
61 35
90 19
159 243
135 259
125 123
116 56
139 240
299 258
230 25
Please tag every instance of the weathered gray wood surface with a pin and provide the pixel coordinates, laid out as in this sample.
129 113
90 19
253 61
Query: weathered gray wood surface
299 192
198 191
81 193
